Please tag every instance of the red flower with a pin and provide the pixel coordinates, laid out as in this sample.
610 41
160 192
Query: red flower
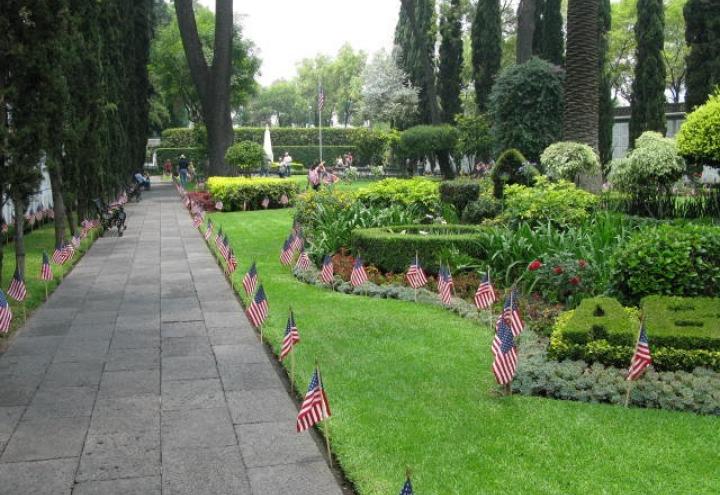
558 270
575 281
582 264
535 265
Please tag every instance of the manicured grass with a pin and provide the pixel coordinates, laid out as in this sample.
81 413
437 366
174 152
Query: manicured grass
340 186
42 239
410 385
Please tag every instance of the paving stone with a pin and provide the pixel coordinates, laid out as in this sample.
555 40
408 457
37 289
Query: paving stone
270 444
188 368
229 336
17 392
120 455
46 438
131 486
256 376
186 346
29 346
130 383
133 359
197 428
260 406
54 477
63 402
82 349
134 339
183 329
137 322
89 317
230 355
313 478
9 418
77 374
226 319
217 471
192 394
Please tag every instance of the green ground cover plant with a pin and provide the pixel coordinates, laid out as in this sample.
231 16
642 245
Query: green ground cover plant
245 193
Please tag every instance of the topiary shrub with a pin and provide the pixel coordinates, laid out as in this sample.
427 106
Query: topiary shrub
526 107
699 137
243 193
567 160
511 168
429 141
670 260
373 145
246 156
459 192
481 209
418 192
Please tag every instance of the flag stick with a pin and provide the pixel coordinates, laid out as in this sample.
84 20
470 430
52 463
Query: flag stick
326 423
417 263
62 271
508 390
292 369
627 393
24 312
630 385
261 333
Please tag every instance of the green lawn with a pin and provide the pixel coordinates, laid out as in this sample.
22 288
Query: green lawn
410 385
341 186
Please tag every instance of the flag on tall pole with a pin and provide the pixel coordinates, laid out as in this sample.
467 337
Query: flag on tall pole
258 310
445 284
485 295
292 337
511 314
415 274
46 270
17 289
315 407
250 280
503 348
358 276
321 105
5 313
642 358
327 272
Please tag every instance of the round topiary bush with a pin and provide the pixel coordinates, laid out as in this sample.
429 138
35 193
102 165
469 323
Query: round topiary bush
567 160
699 137
246 156
526 107
480 209
512 168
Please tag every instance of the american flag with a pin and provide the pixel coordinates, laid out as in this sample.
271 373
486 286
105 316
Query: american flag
358 276
298 242
303 262
186 201
5 313
407 488
208 230
485 295
40 214
218 237
641 359
415 275
327 272
231 261
46 271
197 221
68 251
250 280
321 98
58 256
503 348
445 284
292 337
287 252
225 247
258 310
511 314
315 407
17 289
265 202
75 241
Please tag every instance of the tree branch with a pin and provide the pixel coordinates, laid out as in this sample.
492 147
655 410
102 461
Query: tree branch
192 45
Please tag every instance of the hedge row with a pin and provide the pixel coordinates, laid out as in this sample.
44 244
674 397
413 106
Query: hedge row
173 154
308 154
242 193
280 136
391 249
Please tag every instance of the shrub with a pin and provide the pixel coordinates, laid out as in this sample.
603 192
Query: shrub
511 168
242 193
698 139
392 248
474 137
567 160
310 203
459 192
373 145
563 278
481 209
670 260
420 192
280 136
683 322
310 154
428 141
561 204
246 156
179 138
295 168
526 107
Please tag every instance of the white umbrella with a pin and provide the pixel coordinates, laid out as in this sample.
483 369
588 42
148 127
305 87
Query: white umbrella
267 145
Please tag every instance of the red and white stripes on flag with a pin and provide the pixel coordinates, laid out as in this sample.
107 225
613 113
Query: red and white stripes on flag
58 256
511 314
321 98
358 276
17 289
258 310
231 262
315 407
303 262
46 273
642 358
328 272
5 313
292 337
208 230
503 348
298 243
225 248
286 255
197 221
445 285
250 280
415 275
485 295
69 251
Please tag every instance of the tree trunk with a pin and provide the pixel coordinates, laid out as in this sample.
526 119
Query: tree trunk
445 166
212 83
19 205
526 31
58 203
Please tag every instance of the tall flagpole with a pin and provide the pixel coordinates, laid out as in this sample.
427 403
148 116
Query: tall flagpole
321 103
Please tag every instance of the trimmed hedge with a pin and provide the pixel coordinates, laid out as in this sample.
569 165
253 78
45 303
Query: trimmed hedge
417 192
242 193
197 155
280 136
683 322
459 193
309 154
392 248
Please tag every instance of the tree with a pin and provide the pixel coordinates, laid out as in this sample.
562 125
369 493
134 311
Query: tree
282 100
451 60
702 33
486 49
525 30
549 38
648 89
213 81
386 96
582 79
675 49
606 107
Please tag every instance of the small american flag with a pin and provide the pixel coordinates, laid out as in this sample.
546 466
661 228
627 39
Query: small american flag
303 262
258 310
17 289
208 230
197 221
287 252
46 270
265 202
298 243
415 275
186 201
231 261
485 295
315 407
292 337
250 280
511 314
327 272
407 488
503 348
219 237
75 241
358 276
5 313
68 251
445 284
225 247
58 256
642 358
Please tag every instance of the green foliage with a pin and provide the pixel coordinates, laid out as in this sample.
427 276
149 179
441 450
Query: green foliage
671 260
428 141
702 33
511 168
563 278
683 322
373 145
280 136
310 154
487 39
281 100
180 137
474 137
481 209
526 105
173 154
450 60
246 156
392 248
459 193
698 138
567 160
549 37
241 193
420 192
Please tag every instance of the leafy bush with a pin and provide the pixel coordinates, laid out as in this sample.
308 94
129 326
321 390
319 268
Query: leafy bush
392 248
373 145
310 154
526 107
179 138
698 137
561 204
246 156
310 202
481 209
196 155
683 322
567 160
459 192
670 260
420 192
242 193
429 141
511 168
474 137
563 278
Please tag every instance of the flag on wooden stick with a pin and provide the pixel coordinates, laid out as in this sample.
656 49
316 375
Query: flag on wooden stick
5 313
58 256
17 289
287 253
292 337
407 488
303 262
315 407
503 348
485 295
358 276
250 280
415 275
231 261
327 272
208 230
511 313
642 358
46 270
258 310
445 284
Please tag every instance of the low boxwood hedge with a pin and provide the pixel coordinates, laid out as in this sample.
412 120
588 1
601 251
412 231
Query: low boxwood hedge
683 322
242 193
392 248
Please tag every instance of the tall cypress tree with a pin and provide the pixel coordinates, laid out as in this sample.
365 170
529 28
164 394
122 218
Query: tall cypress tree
702 33
486 49
553 37
648 89
605 106
451 60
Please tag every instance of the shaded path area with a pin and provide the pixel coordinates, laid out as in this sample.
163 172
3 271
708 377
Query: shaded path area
141 375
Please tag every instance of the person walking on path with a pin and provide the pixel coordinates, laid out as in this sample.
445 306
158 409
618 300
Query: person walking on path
183 170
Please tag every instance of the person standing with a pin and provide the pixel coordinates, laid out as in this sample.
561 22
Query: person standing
167 169
285 164
183 170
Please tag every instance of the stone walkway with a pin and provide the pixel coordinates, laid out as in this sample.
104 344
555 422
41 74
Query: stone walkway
142 376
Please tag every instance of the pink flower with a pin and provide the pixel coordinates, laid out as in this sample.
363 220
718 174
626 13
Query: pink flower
558 270
535 265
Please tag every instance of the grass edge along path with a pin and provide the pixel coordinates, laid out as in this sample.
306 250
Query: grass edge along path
410 385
